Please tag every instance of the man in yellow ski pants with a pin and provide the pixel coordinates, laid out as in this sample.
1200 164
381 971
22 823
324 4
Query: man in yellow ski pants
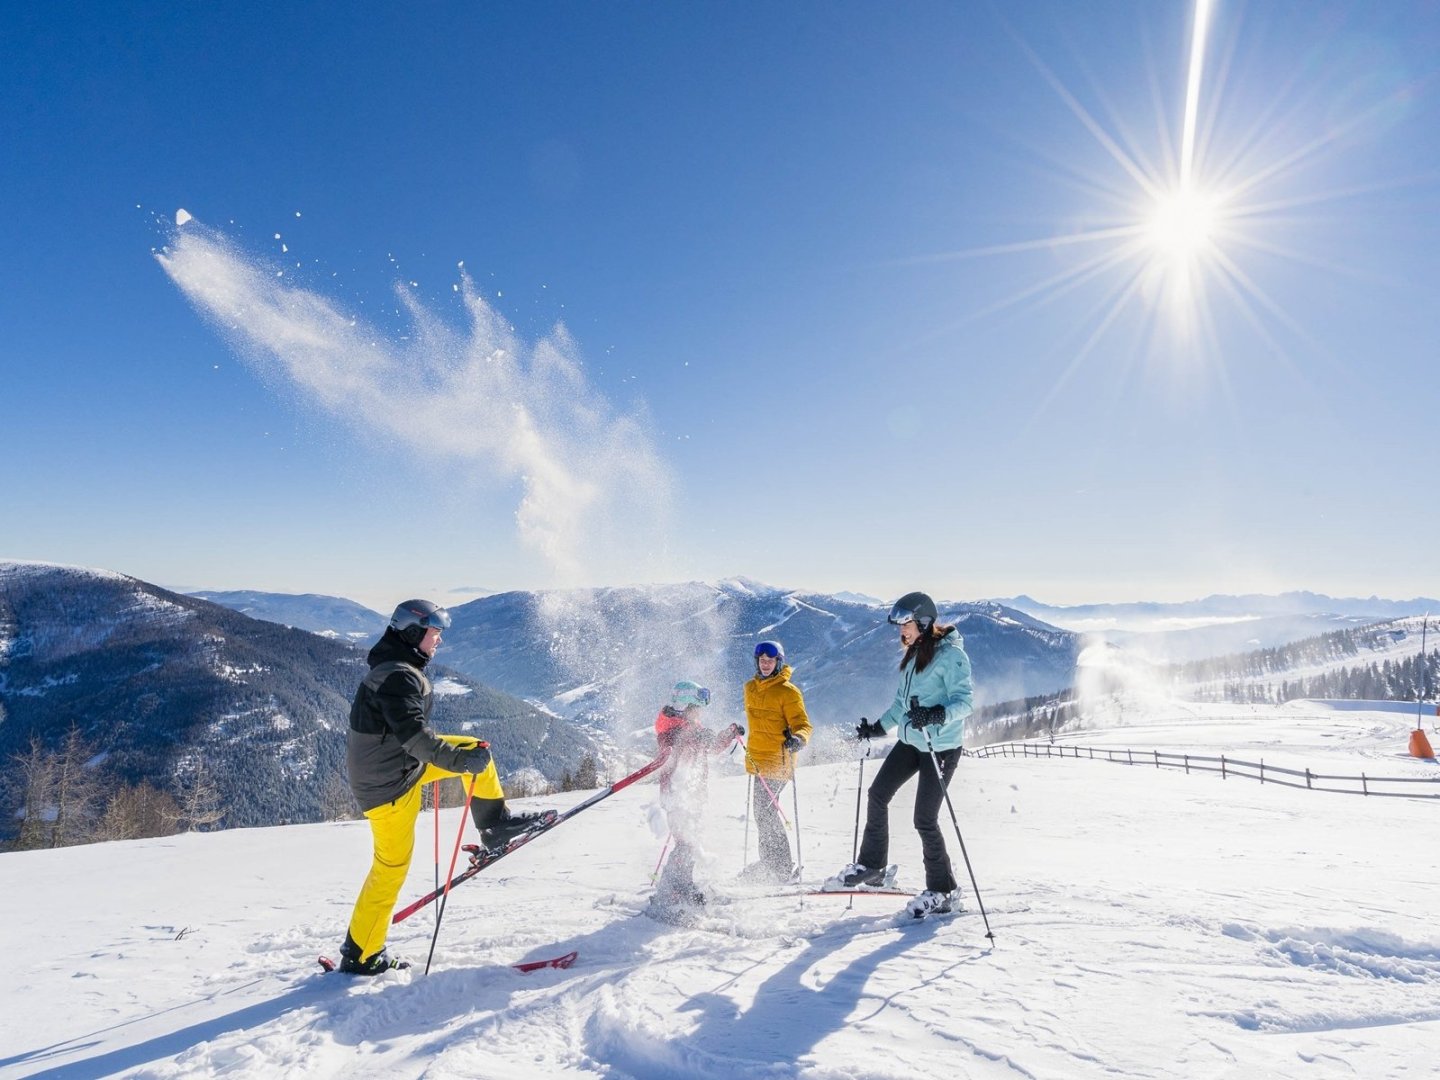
391 753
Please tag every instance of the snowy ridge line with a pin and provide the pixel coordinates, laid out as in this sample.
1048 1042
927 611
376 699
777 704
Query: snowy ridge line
1225 766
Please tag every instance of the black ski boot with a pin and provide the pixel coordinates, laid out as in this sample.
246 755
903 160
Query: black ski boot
502 830
351 964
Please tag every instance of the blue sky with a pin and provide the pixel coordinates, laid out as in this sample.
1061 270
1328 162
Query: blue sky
764 228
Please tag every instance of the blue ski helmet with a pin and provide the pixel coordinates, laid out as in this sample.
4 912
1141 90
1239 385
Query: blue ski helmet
770 648
914 607
413 617
686 694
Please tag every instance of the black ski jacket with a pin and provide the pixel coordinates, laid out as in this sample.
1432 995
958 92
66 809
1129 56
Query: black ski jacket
390 741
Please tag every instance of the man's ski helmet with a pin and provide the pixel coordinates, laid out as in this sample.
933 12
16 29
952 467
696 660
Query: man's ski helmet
770 648
413 617
914 607
686 694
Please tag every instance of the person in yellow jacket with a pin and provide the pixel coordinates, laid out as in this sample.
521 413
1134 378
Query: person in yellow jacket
779 729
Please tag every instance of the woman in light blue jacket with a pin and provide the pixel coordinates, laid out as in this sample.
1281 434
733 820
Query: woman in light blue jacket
929 711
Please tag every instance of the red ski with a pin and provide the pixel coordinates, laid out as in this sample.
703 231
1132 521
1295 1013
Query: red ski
485 858
558 962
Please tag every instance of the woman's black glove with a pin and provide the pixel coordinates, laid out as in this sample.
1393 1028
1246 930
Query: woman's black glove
867 730
794 744
924 715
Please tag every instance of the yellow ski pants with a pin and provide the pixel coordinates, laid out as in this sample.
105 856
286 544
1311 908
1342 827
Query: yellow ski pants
393 828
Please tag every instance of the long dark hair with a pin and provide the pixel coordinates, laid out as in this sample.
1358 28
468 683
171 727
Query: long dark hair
923 648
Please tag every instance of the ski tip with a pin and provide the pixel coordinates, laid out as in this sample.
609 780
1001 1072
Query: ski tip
558 962
326 964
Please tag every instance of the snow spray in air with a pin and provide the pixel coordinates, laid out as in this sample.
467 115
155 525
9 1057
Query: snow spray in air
595 494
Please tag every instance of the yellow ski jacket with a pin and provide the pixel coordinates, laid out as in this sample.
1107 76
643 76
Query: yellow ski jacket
771 706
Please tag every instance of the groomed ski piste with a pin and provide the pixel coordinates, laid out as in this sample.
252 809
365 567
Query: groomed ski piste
1147 924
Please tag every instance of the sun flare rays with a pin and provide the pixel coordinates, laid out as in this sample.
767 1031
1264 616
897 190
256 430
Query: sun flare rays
1182 229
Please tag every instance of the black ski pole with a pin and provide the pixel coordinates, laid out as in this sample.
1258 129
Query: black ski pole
944 790
859 790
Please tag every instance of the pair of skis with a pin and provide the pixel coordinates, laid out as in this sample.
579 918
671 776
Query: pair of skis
480 859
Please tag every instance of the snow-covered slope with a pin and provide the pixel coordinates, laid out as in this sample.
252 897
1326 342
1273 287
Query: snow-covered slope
1147 924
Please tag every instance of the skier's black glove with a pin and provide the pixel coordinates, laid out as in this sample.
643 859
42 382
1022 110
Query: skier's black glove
736 731
794 744
924 715
476 759
866 730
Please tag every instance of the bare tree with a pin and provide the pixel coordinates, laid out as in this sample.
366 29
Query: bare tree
77 792
136 811
198 798
34 779
525 782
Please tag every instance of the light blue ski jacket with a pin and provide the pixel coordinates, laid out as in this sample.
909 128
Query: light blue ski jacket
945 682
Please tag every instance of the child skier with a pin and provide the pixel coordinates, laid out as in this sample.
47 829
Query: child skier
683 781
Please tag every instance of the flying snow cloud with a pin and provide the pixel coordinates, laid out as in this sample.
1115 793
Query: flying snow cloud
591 478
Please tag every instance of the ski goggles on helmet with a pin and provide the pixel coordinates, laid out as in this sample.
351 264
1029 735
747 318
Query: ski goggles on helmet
768 648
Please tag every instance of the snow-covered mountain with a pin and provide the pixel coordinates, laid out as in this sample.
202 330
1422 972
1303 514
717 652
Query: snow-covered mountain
329 616
1218 625
1148 924
616 652
1216 608
154 681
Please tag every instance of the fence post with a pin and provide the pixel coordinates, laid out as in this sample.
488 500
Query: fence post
1129 758
1187 764
1223 775
1364 784
1157 759
1262 770
1307 777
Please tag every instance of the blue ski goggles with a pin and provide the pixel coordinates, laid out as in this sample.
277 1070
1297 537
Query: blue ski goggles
768 648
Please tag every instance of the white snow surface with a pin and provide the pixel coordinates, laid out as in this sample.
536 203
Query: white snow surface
1147 924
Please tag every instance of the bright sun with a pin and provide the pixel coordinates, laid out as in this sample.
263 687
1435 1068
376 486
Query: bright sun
1181 225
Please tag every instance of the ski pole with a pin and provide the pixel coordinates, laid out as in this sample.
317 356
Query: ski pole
859 790
655 875
774 800
435 810
855 844
795 799
459 834
749 794
945 790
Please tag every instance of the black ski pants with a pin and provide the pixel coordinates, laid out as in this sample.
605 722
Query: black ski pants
770 828
903 762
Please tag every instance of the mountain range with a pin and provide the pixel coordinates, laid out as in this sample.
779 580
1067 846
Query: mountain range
616 652
155 681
